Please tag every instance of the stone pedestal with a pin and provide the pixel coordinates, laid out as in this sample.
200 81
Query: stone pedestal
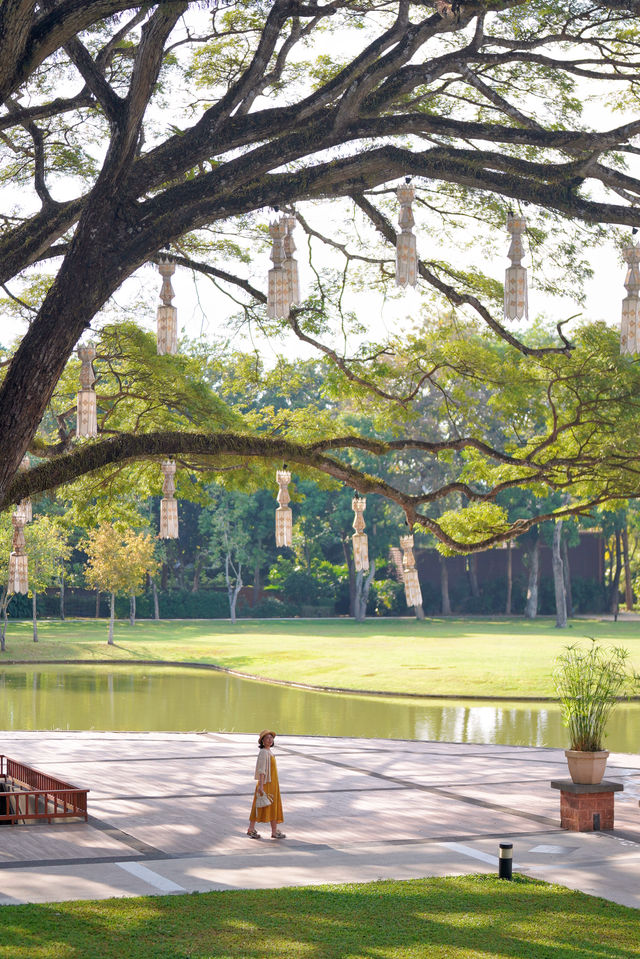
585 808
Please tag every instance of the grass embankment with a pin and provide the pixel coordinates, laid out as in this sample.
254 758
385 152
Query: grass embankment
456 657
470 917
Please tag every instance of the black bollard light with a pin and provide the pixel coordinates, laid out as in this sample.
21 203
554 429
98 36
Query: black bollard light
505 860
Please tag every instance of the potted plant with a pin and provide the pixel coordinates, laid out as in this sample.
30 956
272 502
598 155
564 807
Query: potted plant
589 682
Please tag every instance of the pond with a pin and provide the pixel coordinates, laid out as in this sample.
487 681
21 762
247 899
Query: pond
182 699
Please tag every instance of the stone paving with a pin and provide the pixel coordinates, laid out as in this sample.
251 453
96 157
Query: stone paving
168 813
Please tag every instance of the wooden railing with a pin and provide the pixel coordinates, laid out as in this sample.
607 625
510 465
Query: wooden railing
32 794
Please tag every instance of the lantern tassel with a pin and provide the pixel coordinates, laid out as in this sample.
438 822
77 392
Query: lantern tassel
278 292
168 504
87 410
630 323
167 318
412 591
516 298
359 538
18 560
406 254
284 517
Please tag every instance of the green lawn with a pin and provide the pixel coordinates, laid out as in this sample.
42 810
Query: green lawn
462 917
458 657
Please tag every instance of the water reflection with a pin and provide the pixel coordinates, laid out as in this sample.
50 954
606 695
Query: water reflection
161 698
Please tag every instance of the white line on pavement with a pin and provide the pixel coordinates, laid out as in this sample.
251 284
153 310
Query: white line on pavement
468 851
150 877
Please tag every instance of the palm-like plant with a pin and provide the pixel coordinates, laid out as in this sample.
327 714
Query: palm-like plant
589 682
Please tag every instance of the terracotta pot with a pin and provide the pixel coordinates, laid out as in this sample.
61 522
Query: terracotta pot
586 768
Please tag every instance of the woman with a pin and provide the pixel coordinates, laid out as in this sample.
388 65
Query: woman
267 776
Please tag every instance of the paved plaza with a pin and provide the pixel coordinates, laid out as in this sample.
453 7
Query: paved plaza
168 813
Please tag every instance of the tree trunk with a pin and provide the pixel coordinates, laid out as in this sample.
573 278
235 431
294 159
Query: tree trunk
444 586
197 569
628 588
614 599
507 605
112 616
419 611
233 589
363 587
257 583
472 566
62 612
4 605
531 607
34 607
132 610
156 606
558 577
348 558
567 578
97 603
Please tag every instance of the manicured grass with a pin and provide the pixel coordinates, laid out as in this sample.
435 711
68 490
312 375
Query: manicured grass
507 657
464 917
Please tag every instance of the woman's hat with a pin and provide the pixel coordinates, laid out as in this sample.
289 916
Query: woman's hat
266 732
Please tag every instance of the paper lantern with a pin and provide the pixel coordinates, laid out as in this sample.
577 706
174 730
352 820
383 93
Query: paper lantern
630 324
18 560
167 319
87 414
406 255
516 300
168 504
290 265
284 518
278 292
359 538
412 591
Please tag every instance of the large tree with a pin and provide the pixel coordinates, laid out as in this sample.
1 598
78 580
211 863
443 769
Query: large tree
125 128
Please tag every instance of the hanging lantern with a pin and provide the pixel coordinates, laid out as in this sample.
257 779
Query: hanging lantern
24 507
406 255
168 504
630 325
278 293
87 415
18 560
516 300
412 591
290 264
360 542
167 319
284 519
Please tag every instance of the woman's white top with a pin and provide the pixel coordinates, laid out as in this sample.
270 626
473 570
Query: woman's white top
263 766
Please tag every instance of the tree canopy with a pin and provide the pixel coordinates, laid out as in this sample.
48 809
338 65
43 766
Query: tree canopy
128 129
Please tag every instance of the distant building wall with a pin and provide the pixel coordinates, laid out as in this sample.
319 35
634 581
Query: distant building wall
586 560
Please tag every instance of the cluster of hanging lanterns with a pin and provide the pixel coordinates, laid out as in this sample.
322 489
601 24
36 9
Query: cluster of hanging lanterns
284 293
283 289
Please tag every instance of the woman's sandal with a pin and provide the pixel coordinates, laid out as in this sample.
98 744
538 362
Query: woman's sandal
278 835
253 834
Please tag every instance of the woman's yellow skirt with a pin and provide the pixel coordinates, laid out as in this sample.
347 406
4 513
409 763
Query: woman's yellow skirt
272 812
